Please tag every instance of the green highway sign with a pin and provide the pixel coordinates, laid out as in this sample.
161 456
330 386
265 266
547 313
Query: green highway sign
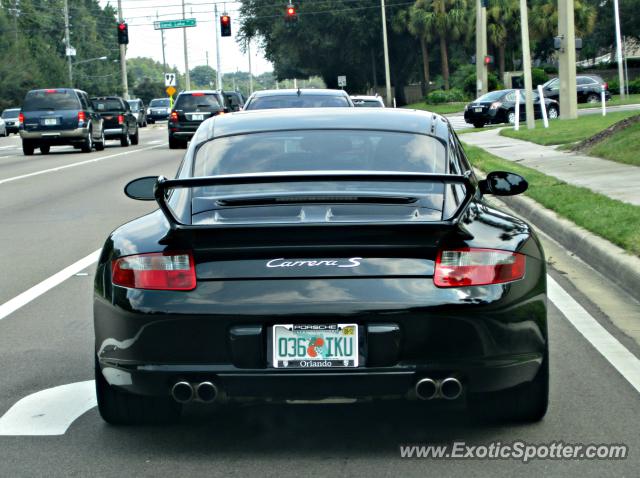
182 23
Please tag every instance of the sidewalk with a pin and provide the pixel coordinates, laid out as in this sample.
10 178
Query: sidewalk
615 180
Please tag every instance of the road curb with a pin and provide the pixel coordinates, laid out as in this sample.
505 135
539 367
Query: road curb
608 259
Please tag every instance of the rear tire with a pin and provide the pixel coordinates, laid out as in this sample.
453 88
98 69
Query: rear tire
553 113
124 140
27 148
117 407
45 149
100 144
175 143
135 138
593 98
478 125
526 403
87 146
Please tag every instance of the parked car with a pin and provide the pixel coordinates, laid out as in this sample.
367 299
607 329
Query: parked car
11 119
158 110
59 116
589 89
361 101
3 128
139 111
189 111
300 98
235 100
320 254
499 107
119 122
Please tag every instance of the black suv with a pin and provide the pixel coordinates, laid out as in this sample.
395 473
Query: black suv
59 116
589 89
190 110
119 121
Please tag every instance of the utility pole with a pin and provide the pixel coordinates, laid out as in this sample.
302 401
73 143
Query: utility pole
616 11
386 54
567 61
187 78
526 64
250 69
481 48
123 58
164 60
67 41
217 25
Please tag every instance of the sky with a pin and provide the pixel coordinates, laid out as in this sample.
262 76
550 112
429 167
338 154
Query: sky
145 41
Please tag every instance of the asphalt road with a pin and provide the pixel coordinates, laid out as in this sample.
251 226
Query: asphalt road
50 218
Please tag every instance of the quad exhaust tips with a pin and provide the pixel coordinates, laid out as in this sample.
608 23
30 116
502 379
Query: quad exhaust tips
449 388
184 392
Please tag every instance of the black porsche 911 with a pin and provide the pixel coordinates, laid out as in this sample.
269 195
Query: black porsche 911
322 254
500 107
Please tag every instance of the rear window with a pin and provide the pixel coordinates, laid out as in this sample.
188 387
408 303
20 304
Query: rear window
367 103
295 101
10 113
492 96
134 105
51 100
162 103
321 150
197 102
107 105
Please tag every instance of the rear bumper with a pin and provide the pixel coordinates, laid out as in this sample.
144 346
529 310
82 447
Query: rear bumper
113 132
56 137
157 116
486 117
182 134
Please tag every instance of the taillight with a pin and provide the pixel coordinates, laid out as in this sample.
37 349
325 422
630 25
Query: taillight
605 86
160 271
120 119
173 116
21 118
465 267
81 117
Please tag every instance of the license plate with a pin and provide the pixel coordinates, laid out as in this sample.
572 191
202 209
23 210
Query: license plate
478 110
315 345
50 121
197 117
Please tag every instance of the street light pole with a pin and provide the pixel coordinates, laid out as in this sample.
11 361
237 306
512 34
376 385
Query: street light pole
616 11
187 78
386 54
123 59
526 64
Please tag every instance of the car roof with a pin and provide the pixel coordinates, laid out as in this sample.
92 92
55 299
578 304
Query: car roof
388 119
11 109
300 92
206 92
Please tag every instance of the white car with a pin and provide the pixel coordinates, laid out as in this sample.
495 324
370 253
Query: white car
367 101
3 128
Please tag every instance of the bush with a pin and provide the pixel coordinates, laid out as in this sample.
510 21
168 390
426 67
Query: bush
470 84
634 87
445 96
538 77
551 69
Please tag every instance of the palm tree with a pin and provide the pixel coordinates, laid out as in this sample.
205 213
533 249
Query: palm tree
503 23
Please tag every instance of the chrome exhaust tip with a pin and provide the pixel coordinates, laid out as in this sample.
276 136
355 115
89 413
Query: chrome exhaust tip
206 392
450 388
182 392
426 389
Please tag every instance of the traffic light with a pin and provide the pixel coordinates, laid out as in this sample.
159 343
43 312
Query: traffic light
488 60
291 14
225 26
123 34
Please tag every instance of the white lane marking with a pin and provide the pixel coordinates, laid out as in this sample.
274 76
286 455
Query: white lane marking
611 349
157 141
73 165
50 411
37 290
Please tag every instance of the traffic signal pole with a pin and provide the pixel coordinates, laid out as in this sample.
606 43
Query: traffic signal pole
482 86
218 72
567 61
123 59
187 78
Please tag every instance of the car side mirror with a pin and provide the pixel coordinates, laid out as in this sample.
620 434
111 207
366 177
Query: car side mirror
503 183
142 189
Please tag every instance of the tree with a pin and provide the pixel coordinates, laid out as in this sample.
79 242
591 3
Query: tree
203 76
503 24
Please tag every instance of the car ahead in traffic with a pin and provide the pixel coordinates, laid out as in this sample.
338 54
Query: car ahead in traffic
139 111
159 110
59 117
361 101
190 110
300 98
500 107
322 254
235 100
3 128
11 120
588 87
119 121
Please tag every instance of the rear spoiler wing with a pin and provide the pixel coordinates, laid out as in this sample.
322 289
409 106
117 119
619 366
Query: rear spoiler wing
164 185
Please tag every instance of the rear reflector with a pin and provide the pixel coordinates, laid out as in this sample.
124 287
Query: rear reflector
465 267
160 271
174 116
